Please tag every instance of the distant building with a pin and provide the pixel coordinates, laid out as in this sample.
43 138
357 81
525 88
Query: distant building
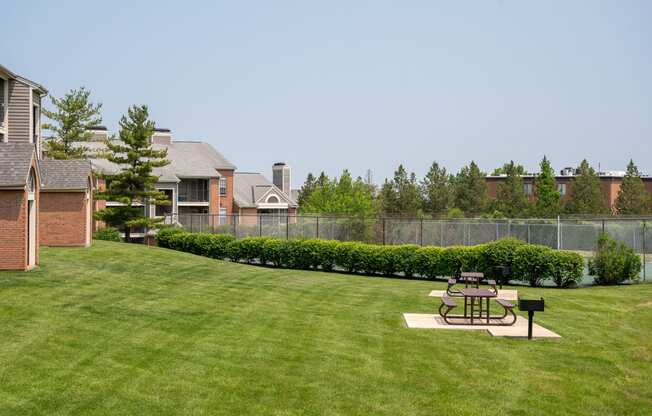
256 196
609 180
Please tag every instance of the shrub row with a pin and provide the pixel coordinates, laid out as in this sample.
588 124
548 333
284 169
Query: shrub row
533 264
107 234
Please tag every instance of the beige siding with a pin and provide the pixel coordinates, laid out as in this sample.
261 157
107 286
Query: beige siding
19 111
2 100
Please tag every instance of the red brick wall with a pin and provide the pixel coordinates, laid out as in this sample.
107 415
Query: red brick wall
214 196
13 223
248 216
100 185
226 201
63 218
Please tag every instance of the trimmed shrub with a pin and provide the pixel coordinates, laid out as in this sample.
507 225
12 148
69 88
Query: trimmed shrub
533 263
428 263
165 234
614 262
567 268
107 234
500 253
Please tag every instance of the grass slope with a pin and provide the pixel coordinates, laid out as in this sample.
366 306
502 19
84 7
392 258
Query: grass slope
124 329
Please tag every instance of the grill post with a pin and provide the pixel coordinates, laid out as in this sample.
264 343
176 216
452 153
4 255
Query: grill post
530 318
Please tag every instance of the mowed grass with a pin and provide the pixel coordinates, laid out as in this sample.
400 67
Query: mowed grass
123 329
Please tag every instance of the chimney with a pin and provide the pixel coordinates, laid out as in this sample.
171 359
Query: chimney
281 177
99 133
162 136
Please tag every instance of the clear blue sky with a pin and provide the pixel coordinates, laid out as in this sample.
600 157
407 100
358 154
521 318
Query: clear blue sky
359 85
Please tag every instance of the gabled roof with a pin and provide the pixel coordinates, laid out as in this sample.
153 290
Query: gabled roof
65 175
15 163
187 160
24 80
251 189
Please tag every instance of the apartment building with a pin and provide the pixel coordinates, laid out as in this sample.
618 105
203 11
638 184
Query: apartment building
610 182
25 177
198 180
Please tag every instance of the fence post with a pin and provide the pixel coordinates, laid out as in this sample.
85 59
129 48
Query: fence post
496 231
383 230
441 233
603 226
191 230
644 251
421 233
528 233
558 233
317 227
235 230
287 226
509 228
260 225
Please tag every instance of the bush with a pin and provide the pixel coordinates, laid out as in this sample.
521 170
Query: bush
614 262
165 234
500 253
567 268
531 263
107 234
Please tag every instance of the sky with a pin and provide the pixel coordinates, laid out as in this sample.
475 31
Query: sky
358 85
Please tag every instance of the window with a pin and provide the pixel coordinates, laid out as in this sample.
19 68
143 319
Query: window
222 186
561 188
36 123
193 190
527 189
272 199
223 216
31 182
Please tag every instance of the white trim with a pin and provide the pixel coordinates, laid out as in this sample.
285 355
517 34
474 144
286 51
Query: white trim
279 205
31 115
120 204
4 128
194 204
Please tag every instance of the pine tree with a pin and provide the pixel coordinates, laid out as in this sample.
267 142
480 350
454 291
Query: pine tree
401 195
548 198
633 198
308 187
470 190
74 115
133 185
586 193
436 191
511 199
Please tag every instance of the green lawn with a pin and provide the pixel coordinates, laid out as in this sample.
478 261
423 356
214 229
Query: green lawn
126 330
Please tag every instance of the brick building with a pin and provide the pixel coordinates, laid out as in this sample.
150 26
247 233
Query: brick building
610 182
19 206
66 203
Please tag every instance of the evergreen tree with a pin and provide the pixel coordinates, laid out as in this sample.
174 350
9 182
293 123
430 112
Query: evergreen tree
401 195
586 193
74 115
511 199
435 189
308 187
548 198
633 198
133 185
470 190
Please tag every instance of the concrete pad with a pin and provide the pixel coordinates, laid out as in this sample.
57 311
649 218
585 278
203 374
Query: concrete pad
518 330
506 294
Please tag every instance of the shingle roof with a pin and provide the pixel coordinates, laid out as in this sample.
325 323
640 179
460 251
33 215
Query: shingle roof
65 174
187 160
15 162
248 188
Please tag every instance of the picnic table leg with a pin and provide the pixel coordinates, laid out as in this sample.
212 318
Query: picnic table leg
488 310
466 301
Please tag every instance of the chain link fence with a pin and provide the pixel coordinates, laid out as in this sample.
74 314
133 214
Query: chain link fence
563 233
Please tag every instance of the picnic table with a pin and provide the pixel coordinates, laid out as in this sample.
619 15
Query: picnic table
475 297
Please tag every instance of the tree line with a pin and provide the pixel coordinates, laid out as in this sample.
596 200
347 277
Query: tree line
440 194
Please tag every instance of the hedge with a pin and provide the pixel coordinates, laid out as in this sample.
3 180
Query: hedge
530 263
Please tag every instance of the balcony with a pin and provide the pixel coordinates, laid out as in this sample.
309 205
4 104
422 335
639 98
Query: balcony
193 191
